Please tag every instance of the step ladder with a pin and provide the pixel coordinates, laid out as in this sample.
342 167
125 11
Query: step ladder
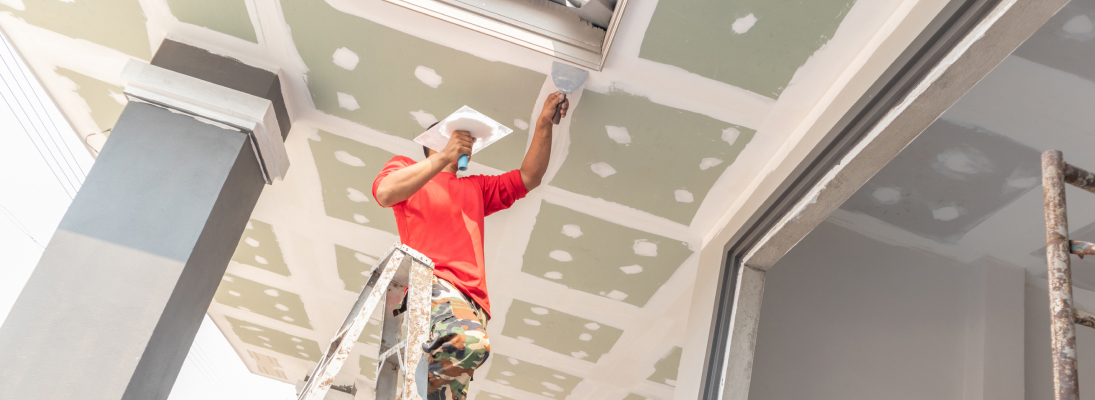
1055 174
401 267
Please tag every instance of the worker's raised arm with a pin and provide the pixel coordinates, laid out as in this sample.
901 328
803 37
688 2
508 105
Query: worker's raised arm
536 160
402 184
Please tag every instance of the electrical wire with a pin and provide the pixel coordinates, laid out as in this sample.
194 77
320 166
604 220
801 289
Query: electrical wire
71 170
56 132
25 131
19 225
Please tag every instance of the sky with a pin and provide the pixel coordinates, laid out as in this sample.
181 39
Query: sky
42 164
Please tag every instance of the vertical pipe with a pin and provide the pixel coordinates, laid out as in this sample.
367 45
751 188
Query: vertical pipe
1063 329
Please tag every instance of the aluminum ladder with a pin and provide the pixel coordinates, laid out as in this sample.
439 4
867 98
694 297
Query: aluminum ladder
1063 315
401 267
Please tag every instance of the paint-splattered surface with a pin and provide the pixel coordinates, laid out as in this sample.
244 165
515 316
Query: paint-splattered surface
590 276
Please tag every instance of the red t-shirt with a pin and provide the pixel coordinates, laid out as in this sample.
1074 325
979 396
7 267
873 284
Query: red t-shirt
444 221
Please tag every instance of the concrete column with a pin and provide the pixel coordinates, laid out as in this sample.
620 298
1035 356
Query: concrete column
114 304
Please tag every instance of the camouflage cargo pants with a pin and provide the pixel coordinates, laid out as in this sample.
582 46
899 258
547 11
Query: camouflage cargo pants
458 342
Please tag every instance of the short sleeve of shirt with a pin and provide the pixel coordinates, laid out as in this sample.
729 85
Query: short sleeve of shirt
395 164
500 191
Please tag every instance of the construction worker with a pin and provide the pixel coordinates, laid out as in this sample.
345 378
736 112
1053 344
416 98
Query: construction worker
441 216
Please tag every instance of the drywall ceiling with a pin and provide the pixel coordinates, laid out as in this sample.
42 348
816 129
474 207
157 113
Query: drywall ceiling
590 277
970 185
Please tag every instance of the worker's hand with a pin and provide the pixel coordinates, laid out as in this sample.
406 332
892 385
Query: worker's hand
459 144
552 101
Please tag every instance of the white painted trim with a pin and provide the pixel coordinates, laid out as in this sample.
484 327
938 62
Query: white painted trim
251 114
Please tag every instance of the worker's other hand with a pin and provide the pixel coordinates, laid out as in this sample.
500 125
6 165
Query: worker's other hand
553 101
460 143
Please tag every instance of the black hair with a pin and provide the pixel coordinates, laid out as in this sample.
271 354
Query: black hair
426 150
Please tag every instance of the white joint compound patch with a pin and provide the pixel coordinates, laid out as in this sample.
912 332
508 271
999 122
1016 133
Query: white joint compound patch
1079 28
683 196
261 260
539 310
554 275
616 295
730 135
348 159
532 322
572 230
1023 183
520 124
618 134
592 326
708 163
271 292
428 76
251 242
360 219
345 58
743 24
645 248
281 307
423 118
887 195
347 101
365 260
632 269
585 337
602 169
948 213
560 255
356 196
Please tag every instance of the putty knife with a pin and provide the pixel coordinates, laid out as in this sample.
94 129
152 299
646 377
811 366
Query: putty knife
486 131
567 79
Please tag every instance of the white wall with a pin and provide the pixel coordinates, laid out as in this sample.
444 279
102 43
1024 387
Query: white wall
847 317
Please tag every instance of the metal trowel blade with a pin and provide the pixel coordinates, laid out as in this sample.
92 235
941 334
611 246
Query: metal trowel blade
567 79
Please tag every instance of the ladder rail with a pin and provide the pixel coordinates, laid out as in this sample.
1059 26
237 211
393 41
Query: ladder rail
1064 316
401 266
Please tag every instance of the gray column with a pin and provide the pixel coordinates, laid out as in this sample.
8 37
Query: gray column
114 304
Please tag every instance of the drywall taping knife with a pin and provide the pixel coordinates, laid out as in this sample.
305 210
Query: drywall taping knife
486 131
567 79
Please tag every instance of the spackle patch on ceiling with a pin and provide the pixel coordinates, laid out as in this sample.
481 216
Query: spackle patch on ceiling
743 24
368 367
665 370
1065 42
353 267
281 342
347 101
345 58
559 332
520 124
267 301
948 181
386 91
345 164
266 254
618 134
531 377
428 76
596 256
225 16
101 98
485 395
665 146
722 40
423 118
119 24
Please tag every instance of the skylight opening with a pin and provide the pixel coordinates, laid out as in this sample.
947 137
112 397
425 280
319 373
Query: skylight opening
577 31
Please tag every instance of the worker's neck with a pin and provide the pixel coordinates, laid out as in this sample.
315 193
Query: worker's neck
451 168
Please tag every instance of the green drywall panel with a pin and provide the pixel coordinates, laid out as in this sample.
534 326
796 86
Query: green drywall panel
662 160
281 342
353 267
347 169
118 24
251 296
531 377
700 37
384 83
101 98
258 247
665 370
224 16
559 332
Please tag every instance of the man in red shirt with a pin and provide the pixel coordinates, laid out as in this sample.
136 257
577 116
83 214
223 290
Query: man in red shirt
441 216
